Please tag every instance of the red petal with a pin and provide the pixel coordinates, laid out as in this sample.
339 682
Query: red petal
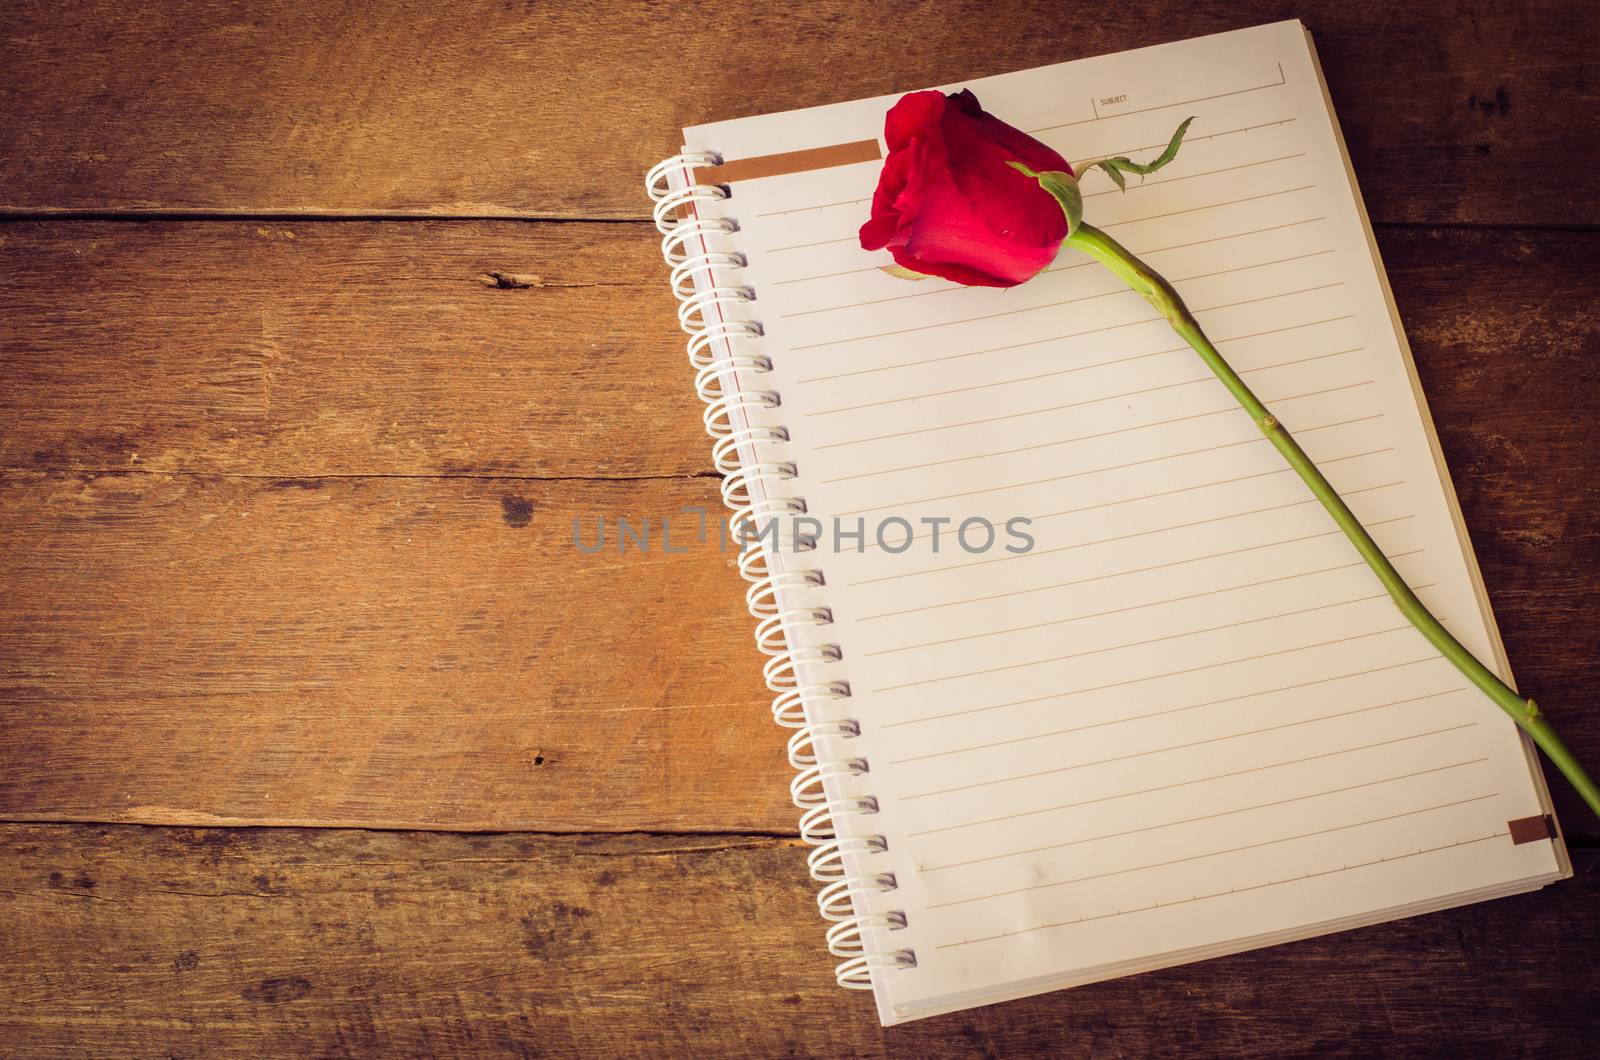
876 233
890 202
914 113
1015 210
947 271
950 237
1040 157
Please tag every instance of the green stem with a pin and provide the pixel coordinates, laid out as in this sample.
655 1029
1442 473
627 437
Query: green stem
1159 293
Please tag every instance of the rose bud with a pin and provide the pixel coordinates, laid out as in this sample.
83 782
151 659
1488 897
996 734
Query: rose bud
949 201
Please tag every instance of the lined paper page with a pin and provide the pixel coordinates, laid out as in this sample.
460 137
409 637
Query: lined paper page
1188 719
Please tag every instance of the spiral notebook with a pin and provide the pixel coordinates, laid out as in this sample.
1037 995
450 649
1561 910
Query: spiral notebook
1082 682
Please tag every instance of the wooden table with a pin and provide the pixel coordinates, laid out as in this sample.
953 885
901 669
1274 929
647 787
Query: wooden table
319 327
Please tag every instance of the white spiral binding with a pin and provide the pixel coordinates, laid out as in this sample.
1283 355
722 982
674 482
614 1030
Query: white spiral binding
717 353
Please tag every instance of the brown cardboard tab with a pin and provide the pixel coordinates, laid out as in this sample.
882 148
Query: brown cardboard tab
782 165
1531 829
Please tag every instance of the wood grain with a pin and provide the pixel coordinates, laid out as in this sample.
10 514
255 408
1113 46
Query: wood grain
224 644
1472 112
287 943
343 349
381 651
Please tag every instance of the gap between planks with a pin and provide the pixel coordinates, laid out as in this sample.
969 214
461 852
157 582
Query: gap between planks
725 839
245 476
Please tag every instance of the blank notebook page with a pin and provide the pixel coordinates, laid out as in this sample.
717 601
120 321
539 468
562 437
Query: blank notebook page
1189 720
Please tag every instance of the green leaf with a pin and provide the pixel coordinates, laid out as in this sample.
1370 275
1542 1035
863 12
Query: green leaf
900 272
1115 167
1064 186
1171 152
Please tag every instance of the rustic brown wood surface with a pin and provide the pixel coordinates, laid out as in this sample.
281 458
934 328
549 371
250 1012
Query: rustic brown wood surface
285 942
375 651
294 349
286 518
1462 112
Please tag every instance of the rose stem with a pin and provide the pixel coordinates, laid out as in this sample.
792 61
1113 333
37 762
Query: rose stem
1159 293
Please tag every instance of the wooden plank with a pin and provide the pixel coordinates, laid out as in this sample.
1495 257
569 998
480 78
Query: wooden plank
1482 113
288 943
342 349
392 651
377 651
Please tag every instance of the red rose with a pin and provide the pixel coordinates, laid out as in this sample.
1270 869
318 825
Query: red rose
949 204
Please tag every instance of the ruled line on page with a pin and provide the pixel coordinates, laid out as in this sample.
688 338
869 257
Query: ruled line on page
1207 816
1071 301
1218 853
1065 268
1192 487
974 320
1319 756
1218 447
957 356
1078 165
819 206
1258 265
1209 206
1142 643
1181 525
1206 742
1191 176
826 275
1133 607
1064 477
1212 519
1055 338
1146 497
807 246
1051 305
1065 371
1269 297
952 290
1166 422
1107 540
1166 106
1234 235
1232 890
1019 415
1029 449
1151 677
1165 712
1062 268
1124 466
1120 574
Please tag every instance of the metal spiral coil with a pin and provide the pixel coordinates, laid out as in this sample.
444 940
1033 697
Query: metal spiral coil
718 353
